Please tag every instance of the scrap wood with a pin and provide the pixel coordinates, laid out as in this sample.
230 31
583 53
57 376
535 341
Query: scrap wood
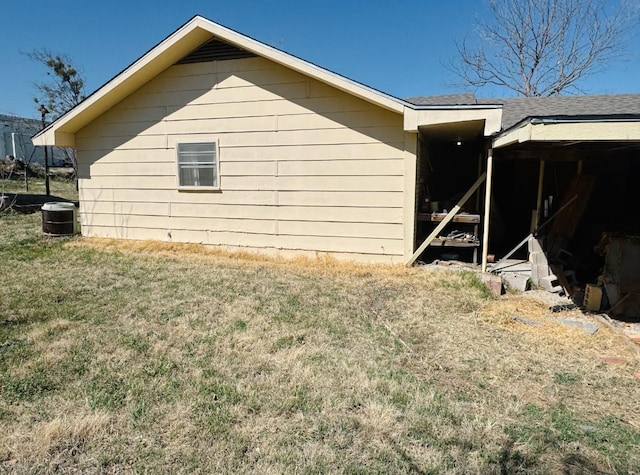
558 271
608 321
386 325
536 231
446 220
615 305
630 422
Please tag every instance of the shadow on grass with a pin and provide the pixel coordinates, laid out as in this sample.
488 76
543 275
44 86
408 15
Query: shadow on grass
26 203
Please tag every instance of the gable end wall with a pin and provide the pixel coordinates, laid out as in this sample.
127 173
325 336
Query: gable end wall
304 167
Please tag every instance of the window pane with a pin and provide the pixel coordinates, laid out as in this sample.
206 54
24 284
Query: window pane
193 158
197 147
188 176
197 164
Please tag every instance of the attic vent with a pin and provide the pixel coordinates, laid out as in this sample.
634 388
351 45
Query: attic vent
215 50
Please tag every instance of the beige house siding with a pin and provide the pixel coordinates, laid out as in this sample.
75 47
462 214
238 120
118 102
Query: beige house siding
304 167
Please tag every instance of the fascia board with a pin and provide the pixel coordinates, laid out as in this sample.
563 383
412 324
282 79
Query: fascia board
578 131
511 136
414 119
191 35
588 131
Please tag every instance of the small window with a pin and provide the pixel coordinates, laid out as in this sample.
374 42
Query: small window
198 165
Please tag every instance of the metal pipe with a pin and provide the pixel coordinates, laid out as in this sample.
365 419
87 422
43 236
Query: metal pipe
13 145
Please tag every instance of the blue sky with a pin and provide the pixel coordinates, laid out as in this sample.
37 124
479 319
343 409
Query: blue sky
395 46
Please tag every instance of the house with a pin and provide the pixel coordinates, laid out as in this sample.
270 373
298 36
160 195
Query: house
215 138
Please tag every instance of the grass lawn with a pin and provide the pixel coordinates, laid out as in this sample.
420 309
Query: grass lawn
61 187
142 357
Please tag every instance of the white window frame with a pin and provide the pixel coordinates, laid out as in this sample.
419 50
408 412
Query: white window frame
216 166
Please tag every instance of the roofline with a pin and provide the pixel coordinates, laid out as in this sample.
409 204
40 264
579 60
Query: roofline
114 82
454 106
578 119
526 129
287 59
194 33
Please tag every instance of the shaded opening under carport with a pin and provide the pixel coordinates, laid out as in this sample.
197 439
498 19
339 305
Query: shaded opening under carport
604 178
450 160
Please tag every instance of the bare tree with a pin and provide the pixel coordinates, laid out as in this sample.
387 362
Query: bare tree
64 89
545 47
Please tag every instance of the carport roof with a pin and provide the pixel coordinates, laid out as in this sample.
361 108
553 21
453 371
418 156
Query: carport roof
516 109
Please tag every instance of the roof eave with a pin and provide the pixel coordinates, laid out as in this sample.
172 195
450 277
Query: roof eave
62 131
185 39
574 129
417 117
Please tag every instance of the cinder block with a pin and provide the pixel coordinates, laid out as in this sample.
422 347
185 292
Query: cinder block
539 267
493 283
516 281
539 272
593 298
538 258
534 245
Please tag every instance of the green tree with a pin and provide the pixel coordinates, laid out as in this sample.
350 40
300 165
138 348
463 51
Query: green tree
65 86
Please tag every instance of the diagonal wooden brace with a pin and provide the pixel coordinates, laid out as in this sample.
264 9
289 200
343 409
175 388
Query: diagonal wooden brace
446 220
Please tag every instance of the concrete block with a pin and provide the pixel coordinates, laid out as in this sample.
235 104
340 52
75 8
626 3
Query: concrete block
539 267
538 273
592 298
516 281
534 245
493 283
590 328
538 259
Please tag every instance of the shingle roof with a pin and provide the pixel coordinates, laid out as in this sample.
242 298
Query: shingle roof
444 100
516 109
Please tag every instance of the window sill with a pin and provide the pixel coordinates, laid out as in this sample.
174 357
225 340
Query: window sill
200 189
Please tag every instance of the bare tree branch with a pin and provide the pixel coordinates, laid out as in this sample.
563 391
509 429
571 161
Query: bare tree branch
544 47
64 89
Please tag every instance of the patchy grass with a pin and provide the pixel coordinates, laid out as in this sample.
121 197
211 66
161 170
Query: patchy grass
61 187
149 357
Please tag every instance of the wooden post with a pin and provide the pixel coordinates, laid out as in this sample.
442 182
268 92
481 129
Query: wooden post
540 190
479 173
47 190
43 111
487 210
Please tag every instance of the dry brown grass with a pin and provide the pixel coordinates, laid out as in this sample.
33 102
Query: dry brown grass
153 357
322 263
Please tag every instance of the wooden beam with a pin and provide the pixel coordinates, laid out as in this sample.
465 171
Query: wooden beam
540 190
513 251
446 220
487 210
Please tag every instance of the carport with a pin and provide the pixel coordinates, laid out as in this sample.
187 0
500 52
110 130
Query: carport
572 183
